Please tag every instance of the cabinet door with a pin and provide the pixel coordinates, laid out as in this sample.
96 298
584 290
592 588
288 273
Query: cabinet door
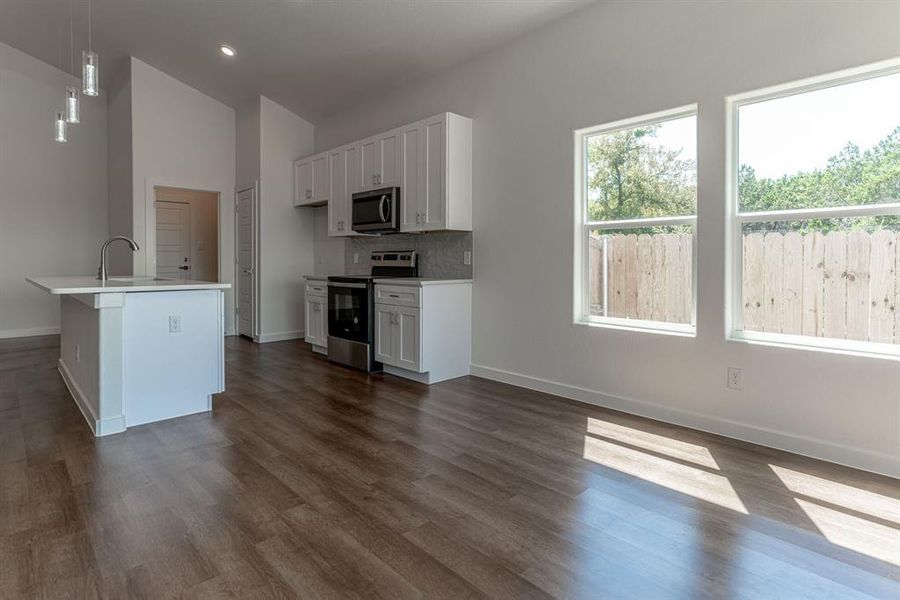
384 334
410 183
315 333
337 196
370 163
303 192
320 178
354 183
391 148
407 346
433 201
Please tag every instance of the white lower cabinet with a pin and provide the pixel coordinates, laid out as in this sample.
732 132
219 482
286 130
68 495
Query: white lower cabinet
397 339
316 322
423 329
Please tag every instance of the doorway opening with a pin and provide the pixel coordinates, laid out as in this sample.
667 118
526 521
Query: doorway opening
187 234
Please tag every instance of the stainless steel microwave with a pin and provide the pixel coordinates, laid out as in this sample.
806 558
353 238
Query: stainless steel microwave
376 211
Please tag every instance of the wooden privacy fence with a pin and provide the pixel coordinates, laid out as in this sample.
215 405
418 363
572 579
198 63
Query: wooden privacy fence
838 285
646 277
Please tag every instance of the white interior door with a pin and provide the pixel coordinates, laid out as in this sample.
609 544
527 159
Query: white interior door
173 240
246 261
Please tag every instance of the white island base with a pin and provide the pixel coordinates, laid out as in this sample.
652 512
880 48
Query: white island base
131 356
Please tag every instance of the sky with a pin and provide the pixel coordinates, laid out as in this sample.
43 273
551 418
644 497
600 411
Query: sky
801 132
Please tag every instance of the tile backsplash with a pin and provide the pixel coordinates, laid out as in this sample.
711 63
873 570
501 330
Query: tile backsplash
440 253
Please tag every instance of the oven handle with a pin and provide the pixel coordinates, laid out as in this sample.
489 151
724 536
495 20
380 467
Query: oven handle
347 285
384 199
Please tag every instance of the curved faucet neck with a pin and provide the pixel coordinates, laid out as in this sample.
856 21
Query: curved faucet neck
102 275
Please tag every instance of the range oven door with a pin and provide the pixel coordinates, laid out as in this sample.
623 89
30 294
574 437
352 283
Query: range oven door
349 311
377 211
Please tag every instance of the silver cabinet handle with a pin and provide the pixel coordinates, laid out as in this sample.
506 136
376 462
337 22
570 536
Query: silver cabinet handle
309 193
374 178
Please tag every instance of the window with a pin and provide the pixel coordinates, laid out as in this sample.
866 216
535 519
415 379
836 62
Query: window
815 196
636 206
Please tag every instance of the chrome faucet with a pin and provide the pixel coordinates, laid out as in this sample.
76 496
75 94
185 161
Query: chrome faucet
101 272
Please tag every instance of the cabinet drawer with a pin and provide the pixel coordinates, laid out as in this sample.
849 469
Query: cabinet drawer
398 295
316 288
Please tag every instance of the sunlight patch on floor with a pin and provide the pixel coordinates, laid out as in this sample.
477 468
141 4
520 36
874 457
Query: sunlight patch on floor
854 533
840 494
650 441
692 481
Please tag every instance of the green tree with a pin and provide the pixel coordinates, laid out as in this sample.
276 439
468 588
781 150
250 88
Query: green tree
629 177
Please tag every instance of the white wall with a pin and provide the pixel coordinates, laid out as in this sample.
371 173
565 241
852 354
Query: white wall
617 60
286 239
329 251
53 197
181 138
246 153
121 204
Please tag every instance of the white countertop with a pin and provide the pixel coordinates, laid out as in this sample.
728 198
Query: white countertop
419 281
85 284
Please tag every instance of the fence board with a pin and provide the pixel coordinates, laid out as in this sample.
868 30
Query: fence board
674 295
897 291
773 282
687 277
835 322
881 287
645 277
660 291
858 251
792 309
752 288
813 283
623 293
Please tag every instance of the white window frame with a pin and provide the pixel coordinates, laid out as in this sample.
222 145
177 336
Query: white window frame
735 218
583 228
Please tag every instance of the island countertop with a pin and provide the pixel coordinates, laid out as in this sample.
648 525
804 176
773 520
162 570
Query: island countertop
86 284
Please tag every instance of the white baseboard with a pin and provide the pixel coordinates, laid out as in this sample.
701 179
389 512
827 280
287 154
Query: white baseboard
100 427
279 337
29 332
850 456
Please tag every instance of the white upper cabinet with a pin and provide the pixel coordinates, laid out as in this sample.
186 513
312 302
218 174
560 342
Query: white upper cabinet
311 180
380 160
429 160
303 182
441 149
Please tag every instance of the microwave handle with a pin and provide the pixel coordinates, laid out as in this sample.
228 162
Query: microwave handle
383 216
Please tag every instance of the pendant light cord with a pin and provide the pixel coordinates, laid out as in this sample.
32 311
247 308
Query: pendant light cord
71 40
90 42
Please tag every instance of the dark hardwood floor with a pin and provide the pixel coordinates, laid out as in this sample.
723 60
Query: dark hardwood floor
310 480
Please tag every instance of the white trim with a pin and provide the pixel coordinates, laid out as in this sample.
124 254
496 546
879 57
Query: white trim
647 222
633 122
858 458
831 212
265 338
639 325
734 327
6 334
99 427
820 344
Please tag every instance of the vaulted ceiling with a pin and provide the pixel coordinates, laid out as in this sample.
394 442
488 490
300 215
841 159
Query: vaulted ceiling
315 57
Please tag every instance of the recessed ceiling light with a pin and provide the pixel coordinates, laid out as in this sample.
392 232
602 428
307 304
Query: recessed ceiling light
227 50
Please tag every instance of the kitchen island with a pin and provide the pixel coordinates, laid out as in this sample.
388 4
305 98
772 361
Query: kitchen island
137 350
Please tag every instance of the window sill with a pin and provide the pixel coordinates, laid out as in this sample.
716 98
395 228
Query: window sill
634 325
826 345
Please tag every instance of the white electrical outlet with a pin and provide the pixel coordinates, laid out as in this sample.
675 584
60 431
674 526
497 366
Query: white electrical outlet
77 353
467 257
735 378
174 323
356 258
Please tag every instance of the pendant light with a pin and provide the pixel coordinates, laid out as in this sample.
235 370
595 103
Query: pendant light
72 94
90 65
60 128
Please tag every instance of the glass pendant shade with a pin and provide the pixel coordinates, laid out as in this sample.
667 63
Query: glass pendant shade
72 104
90 73
60 128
